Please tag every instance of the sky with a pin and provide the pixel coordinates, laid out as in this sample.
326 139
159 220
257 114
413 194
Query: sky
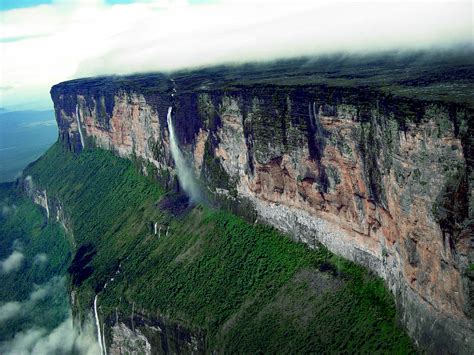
43 42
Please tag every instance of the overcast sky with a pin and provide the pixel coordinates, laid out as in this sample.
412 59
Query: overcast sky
43 42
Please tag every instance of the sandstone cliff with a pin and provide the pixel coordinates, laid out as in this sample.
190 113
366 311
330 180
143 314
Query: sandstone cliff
384 181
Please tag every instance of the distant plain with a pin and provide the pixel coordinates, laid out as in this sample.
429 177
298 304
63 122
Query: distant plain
24 137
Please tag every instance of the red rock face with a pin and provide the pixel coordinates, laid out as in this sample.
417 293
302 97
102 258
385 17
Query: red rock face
368 195
129 131
412 236
401 235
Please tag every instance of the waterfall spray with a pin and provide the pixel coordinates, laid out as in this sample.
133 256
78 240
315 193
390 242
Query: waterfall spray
185 174
79 126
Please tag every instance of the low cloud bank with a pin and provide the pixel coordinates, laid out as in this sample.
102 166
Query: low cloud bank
64 339
40 292
9 310
233 32
12 263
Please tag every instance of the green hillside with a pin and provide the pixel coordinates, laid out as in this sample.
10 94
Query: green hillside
34 291
246 287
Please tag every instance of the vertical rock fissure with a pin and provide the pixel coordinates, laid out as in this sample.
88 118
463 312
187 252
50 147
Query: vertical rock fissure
316 145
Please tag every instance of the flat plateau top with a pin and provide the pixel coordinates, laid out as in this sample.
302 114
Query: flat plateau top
444 76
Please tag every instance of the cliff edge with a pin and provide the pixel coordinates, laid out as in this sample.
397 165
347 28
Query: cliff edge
379 174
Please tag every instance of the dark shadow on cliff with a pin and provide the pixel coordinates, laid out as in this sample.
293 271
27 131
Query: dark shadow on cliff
81 267
176 204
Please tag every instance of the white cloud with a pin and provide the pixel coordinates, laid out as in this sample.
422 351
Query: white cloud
40 258
12 263
9 310
41 292
64 339
15 309
70 39
23 342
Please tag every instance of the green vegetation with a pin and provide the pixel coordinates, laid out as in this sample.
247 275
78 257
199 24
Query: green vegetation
247 287
35 288
108 205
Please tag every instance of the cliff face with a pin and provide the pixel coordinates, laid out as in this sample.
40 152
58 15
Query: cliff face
383 181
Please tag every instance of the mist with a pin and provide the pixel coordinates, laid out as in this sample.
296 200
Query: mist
47 44
186 176
15 260
46 303
12 263
236 33
64 339
15 309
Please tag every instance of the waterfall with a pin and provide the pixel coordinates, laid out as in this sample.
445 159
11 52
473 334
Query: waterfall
46 204
103 338
97 323
185 174
79 126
